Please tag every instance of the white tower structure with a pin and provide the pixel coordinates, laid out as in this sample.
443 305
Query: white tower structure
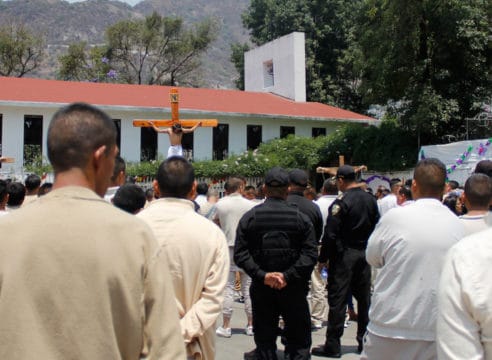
278 67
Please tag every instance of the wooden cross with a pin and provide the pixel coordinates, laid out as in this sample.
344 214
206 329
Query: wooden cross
174 96
6 159
332 171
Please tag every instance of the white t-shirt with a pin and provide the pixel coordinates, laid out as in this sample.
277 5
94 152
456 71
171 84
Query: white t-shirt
408 246
464 322
230 209
474 223
387 203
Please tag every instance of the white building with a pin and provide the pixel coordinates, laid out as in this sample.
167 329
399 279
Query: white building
273 106
245 118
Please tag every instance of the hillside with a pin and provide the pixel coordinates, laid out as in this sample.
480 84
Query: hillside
64 23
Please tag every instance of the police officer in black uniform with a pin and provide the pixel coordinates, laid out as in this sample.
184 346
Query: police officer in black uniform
277 248
298 181
351 219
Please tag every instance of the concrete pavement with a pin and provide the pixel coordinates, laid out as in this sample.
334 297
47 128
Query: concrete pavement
234 347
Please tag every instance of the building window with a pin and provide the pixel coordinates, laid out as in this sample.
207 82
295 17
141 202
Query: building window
253 136
268 77
286 131
187 144
148 144
117 124
33 139
318 132
220 142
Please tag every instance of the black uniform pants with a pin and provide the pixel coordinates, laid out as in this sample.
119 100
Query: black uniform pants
290 302
348 271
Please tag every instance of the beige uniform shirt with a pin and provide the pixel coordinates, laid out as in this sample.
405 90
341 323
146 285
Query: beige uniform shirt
197 252
80 279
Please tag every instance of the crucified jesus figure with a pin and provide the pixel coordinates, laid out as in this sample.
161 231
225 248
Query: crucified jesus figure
175 133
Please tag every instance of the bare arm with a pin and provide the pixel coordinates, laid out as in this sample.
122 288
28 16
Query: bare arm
158 129
6 159
190 130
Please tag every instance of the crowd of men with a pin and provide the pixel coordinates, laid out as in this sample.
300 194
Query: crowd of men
99 268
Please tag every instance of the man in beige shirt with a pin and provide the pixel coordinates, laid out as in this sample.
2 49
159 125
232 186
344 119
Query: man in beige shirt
32 184
81 279
196 250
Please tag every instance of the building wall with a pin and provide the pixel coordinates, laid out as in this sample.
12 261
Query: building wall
287 54
13 131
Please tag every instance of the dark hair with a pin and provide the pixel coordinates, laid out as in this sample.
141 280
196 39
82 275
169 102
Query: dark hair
484 167
3 189
149 193
276 192
430 175
32 182
478 190
233 184
330 186
177 128
406 191
450 201
17 193
202 188
75 132
395 182
453 184
119 166
175 177
45 188
130 198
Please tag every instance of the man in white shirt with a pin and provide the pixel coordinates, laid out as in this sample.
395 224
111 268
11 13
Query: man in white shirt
229 211
201 193
408 246
464 324
477 197
389 201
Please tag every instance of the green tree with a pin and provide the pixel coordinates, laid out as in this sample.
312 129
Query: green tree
432 58
237 58
21 51
329 28
157 50
83 62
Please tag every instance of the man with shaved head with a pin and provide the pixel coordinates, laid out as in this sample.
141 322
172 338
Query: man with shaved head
408 247
81 279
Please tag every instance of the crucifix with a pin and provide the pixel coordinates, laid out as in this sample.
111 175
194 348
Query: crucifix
175 127
332 171
174 97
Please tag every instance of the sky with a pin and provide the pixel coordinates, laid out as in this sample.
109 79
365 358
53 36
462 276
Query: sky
130 2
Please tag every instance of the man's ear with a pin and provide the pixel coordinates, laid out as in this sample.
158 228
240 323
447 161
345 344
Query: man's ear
157 192
98 155
192 193
414 188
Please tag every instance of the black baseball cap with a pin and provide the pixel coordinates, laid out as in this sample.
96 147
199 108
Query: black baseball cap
298 177
277 177
346 172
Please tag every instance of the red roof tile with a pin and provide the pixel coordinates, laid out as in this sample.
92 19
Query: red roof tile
153 96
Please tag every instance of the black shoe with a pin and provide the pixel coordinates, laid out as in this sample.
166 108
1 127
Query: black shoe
250 355
322 350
